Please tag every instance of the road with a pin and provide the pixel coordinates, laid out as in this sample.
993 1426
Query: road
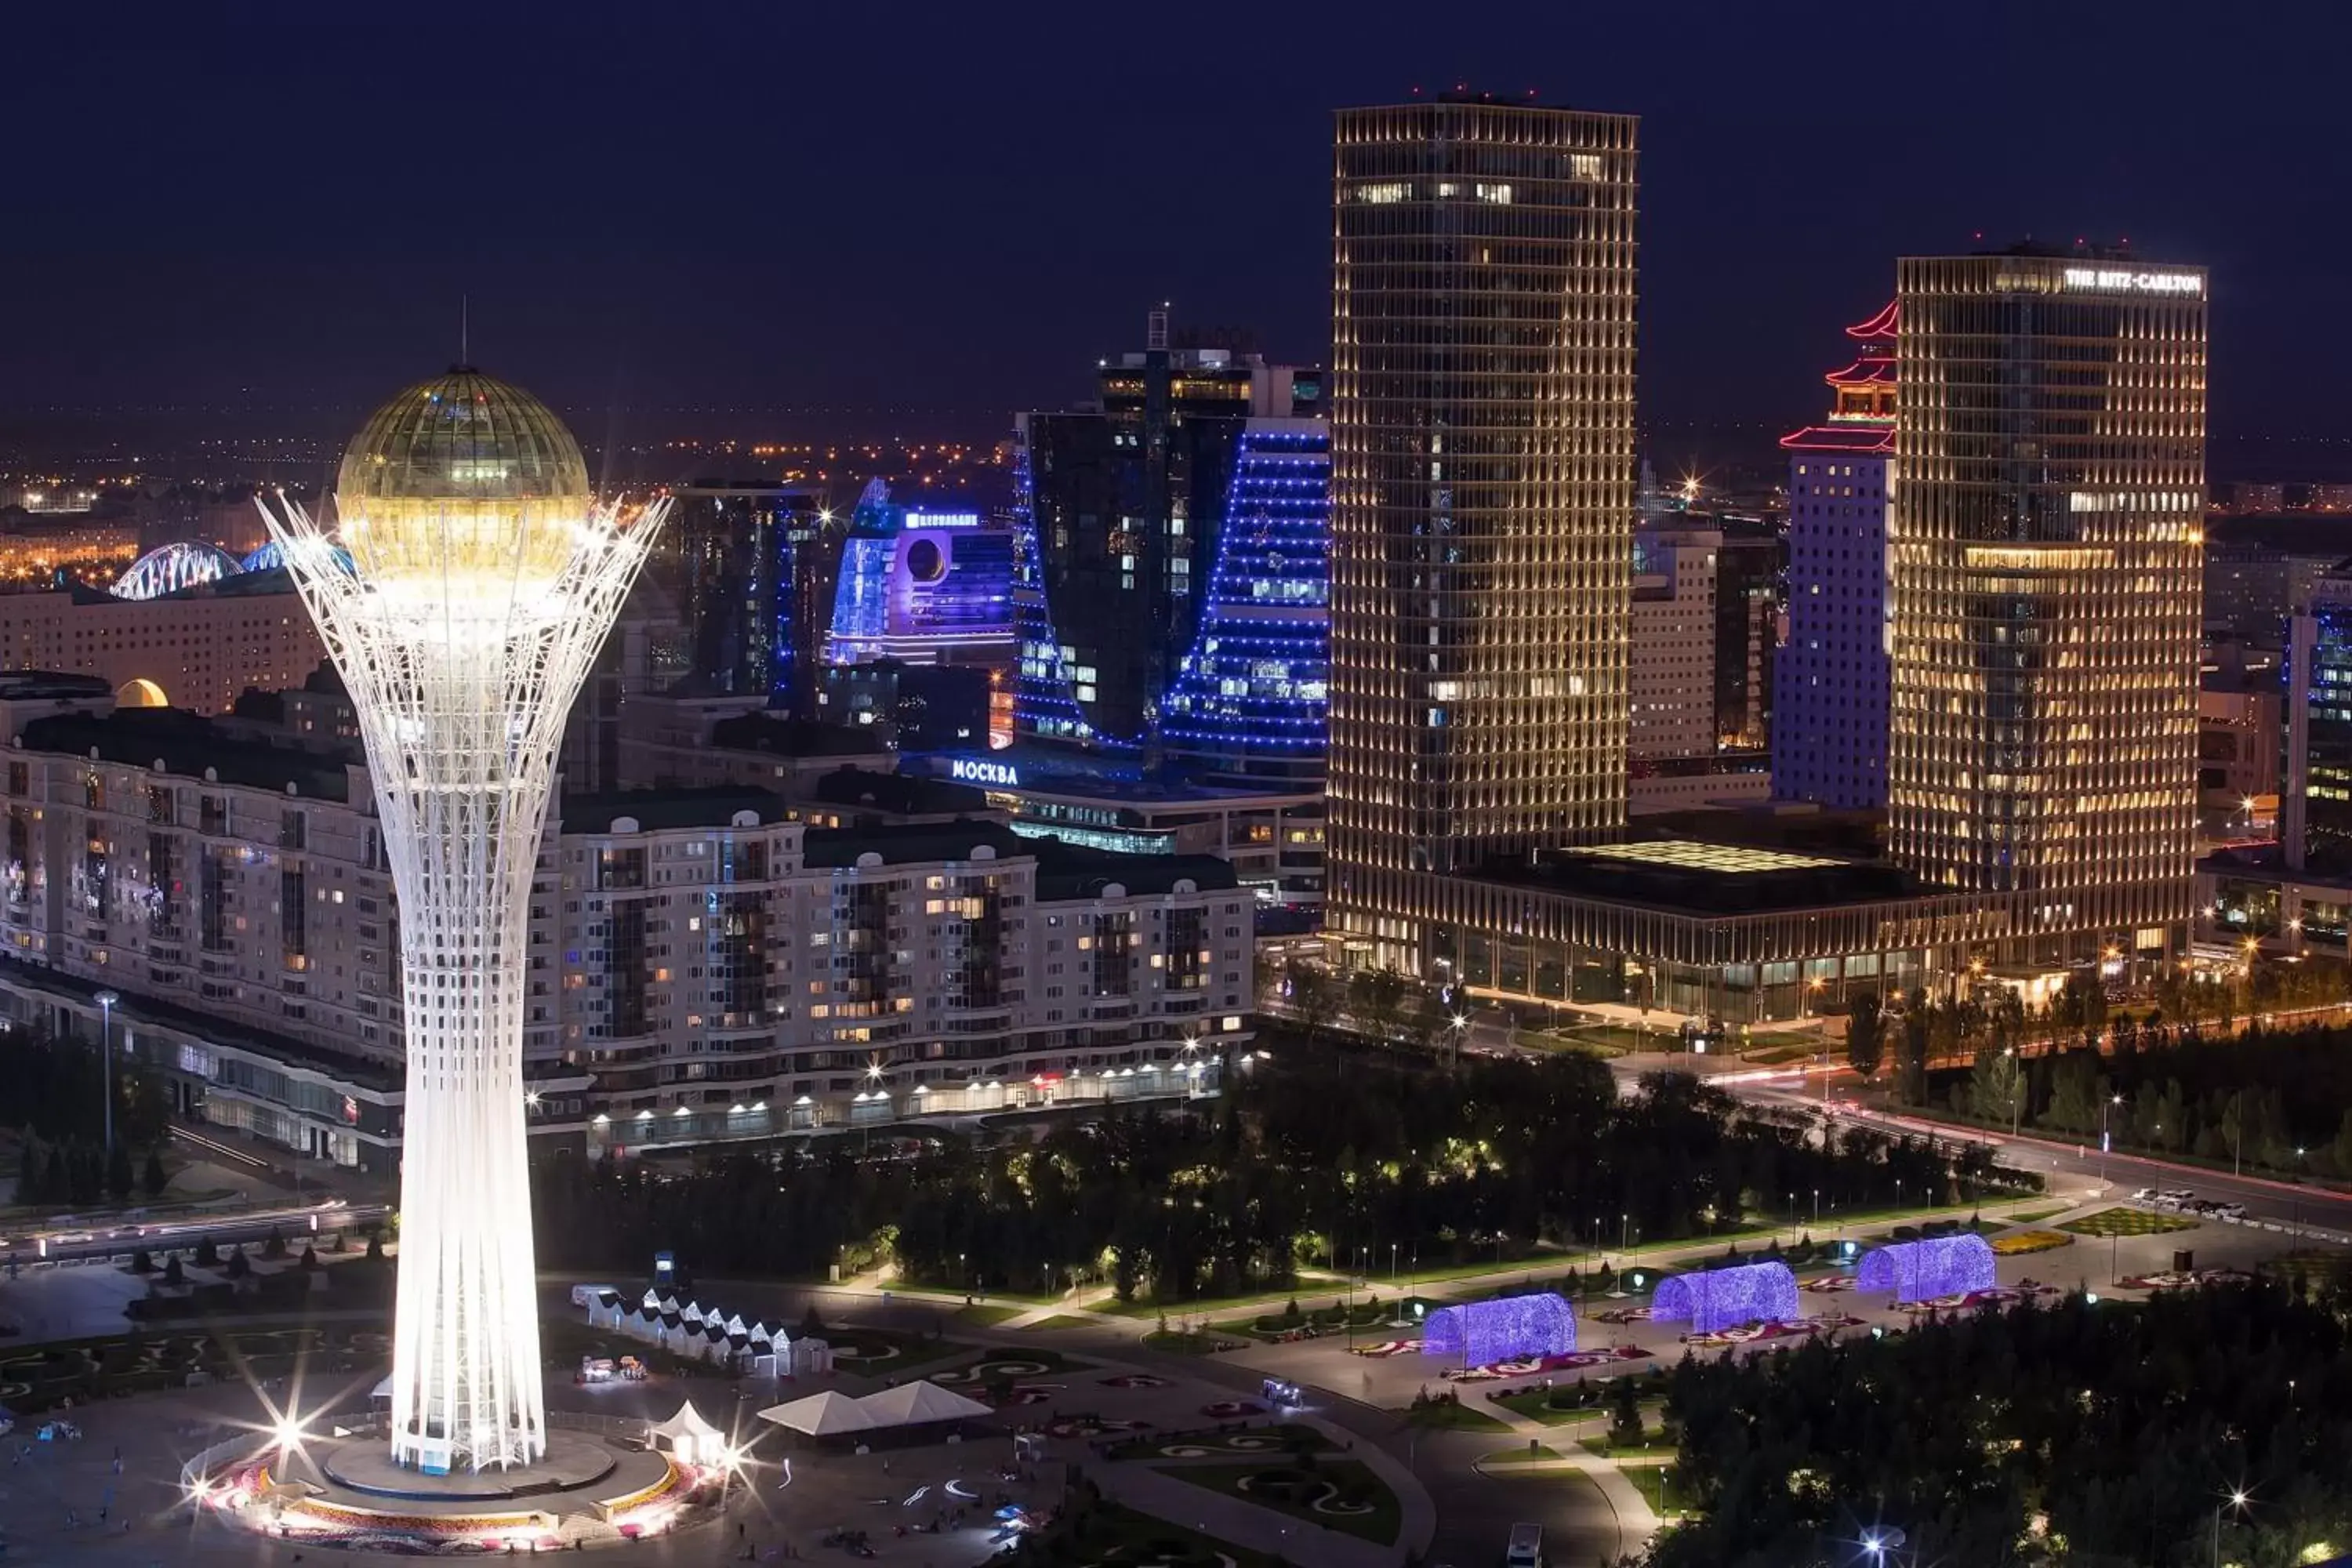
2303 1208
125 1231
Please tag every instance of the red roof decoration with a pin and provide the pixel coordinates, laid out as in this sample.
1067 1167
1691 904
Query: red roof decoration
1870 370
1881 325
1865 440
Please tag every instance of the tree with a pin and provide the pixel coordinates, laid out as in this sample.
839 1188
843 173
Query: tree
240 1265
375 1248
1624 1412
1376 997
207 1253
119 1181
309 1261
174 1273
1996 1086
275 1247
141 1263
152 1180
1919 1029
1312 995
1865 1034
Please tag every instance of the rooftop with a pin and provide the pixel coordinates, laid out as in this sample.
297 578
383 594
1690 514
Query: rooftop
712 805
1715 878
1063 870
192 745
791 737
902 795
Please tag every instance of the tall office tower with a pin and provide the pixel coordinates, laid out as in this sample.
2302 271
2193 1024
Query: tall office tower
750 567
1249 700
1829 707
1670 686
1482 478
481 577
1120 504
2315 791
2048 542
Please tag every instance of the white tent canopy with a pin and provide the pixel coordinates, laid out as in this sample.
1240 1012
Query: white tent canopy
687 1423
820 1415
913 1403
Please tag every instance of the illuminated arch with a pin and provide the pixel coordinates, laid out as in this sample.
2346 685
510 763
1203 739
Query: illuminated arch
171 567
141 692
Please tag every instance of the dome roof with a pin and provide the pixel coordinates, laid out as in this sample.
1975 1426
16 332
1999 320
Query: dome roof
462 436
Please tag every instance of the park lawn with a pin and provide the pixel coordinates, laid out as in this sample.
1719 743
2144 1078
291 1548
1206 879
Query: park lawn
1378 1523
1530 1403
2036 1217
987 1317
1174 1344
1451 1415
1597 1042
1780 1055
884 1353
1508 1458
1029 1356
1293 1437
1660 1486
1653 1448
1064 1321
1110 1533
2126 1222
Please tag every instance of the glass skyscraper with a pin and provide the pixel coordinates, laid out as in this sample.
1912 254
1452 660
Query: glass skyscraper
1483 464
1249 698
2047 541
1119 509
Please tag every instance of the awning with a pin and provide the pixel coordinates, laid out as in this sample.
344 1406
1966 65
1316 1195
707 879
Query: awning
820 1414
913 1403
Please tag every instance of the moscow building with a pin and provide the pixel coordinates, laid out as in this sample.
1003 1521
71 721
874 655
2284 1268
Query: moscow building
2047 555
1829 698
1121 512
1482 497
701 965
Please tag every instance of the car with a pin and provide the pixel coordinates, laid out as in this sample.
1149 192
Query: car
2228 1211
2147 1195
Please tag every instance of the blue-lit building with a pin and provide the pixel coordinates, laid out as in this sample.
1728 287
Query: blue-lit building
1121 505
2316 794
749 566
1249 700
922 587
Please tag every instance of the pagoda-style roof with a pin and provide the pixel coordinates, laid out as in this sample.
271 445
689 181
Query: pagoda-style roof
1870 370
1881 325
1865 438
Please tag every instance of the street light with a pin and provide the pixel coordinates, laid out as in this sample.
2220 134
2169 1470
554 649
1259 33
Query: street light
2113 1100
2236 1503
106 1002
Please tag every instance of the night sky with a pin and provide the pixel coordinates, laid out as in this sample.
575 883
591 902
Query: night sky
951 210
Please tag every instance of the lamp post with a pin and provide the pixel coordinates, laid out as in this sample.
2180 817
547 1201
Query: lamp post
2113 1100
2236 1500
1821 1030
106 1000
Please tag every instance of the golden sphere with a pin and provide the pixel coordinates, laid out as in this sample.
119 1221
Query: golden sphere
466 483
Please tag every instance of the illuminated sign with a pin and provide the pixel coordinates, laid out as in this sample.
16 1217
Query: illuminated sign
943 520
2124 280
972 770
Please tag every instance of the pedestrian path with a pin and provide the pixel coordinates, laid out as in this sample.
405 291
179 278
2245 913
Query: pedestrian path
1636 1521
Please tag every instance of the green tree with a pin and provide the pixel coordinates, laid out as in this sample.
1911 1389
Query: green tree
2077 1091
119 1181
1312 995
2339 1152
1624 1412
1995 1087
1920 1030
152 1180
1865 1034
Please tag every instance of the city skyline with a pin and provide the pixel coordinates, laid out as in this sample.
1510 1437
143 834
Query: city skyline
873 238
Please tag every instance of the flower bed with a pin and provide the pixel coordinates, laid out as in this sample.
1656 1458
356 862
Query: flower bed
2019 1242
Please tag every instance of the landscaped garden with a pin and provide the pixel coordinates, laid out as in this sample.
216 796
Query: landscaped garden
1342 1495
2019 1242
1096 1533
2126 1222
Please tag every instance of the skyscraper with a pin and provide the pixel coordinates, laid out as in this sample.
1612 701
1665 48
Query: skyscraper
2047 542
1483 478
1121 507
1829 712
482 575
751 566
1249 700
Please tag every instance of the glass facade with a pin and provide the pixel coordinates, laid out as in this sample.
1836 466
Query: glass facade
1482 496
1250 696
2047 547
750 567
922 587
2316 806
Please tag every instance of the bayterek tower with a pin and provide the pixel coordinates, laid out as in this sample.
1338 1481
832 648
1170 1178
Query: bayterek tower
476 578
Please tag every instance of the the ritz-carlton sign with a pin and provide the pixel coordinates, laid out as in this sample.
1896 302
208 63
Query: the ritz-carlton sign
2124 280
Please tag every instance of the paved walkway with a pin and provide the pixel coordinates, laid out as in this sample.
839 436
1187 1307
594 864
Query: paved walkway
1148 1488
1637 1522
